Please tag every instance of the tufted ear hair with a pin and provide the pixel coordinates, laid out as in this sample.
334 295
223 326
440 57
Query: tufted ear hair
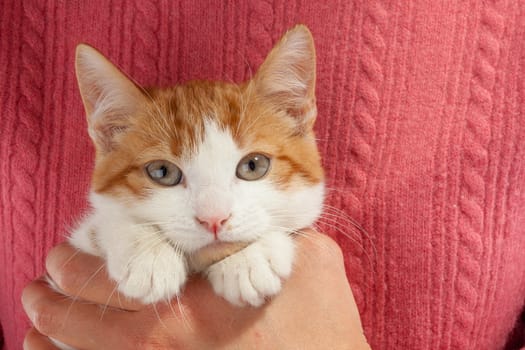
110 98
287 76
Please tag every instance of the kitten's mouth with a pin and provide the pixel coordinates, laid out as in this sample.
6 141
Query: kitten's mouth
212 253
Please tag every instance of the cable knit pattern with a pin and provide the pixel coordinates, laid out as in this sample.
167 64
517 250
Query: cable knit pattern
362 135
26 150
420 126
472 193
500 155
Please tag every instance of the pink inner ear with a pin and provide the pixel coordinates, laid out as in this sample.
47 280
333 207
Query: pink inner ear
105 134
105 127
302 109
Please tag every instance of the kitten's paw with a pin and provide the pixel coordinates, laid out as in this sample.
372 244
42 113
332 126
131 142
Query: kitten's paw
150 276
254 273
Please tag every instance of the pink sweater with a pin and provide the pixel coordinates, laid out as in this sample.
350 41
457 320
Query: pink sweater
421 125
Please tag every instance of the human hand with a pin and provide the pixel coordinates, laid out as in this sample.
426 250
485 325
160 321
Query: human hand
314 310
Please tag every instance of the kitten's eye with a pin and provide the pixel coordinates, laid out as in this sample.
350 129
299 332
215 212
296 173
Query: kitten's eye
164 173
253 167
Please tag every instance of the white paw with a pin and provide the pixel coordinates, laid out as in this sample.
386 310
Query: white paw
254 273
155 274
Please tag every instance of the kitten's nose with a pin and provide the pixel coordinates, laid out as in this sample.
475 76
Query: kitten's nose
213 224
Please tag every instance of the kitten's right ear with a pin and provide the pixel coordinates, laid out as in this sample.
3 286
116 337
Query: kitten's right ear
110 98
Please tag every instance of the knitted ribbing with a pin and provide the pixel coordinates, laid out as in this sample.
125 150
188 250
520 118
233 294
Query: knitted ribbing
474 167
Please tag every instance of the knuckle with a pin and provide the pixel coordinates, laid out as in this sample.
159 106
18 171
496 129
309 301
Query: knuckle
65 279
68 279
61 268
44 319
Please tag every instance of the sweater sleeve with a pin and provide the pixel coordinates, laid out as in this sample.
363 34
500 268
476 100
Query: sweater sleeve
516 339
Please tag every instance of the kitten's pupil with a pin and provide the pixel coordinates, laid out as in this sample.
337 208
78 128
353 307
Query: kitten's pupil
160 173
252 165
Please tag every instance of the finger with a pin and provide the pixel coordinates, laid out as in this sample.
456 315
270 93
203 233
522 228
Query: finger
320 262
72 322
317 251
84 276
209 255
36 341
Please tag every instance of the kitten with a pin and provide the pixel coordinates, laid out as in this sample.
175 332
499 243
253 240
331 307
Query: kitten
199 166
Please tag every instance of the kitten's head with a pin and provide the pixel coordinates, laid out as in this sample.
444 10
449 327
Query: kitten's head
208 161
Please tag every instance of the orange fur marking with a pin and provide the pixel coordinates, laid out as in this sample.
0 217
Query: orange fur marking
261 115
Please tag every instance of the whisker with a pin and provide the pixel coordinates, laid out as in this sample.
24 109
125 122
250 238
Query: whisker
82 288
332 221
298 232
68 260
187 324
335 212
106 305
362 248
146 248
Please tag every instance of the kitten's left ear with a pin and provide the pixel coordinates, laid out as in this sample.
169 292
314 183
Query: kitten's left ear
287 76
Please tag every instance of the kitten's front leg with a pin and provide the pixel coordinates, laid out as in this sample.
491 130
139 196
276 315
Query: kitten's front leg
149 273
254 273
141 261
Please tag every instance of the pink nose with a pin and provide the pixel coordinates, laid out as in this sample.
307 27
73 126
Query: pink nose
213 224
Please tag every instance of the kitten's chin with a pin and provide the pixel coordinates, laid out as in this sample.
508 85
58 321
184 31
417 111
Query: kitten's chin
212 253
